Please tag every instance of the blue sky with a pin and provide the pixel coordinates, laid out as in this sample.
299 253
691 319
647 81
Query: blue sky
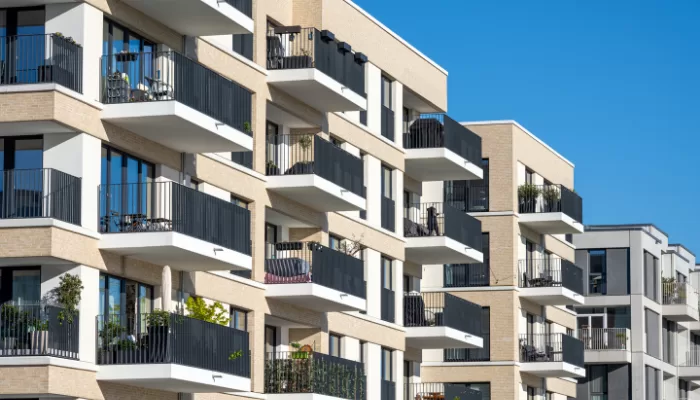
614 86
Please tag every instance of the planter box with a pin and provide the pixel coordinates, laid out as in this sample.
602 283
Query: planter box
38 342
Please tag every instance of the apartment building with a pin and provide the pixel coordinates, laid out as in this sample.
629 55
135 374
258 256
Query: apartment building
640 323
268 156
528 210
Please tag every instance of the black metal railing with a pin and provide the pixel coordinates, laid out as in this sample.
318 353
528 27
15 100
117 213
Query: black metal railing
550 272
38 329
168 338
470 355
312 372
170 76
550 198
466 275
40 193
293 47
467 196
440 391
440 219
363 213
388 305
171 207
46 58
439 130
441 309
388 390
556 347
387 123
302 154
304 262
388 214
244 6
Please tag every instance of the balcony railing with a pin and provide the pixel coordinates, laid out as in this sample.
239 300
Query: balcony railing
312 372
469 198
388 214
605 338
439 130
387 123
440 391
303 154
692 359
440 219
679 293
466 275
244 6
38 330
171 207
50 58
550 272
309 262
388 390
168 338
388 305
556 347
293 47
441 309
470 355
169 76
40 193
548 199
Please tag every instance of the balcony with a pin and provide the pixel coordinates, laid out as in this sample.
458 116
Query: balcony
36 330
550 281
689 369
314 67
173 100
200 17
440 391
552 356
438 148
680 302
312 375
437 233
172 352
550 209
441 320
313 276
314 172
466 275
169 224
606 345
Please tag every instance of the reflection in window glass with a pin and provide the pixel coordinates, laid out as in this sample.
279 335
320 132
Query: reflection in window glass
238 319
334 345
26 286
387 365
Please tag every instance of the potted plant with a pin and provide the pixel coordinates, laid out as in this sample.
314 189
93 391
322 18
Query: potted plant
528 194
110 336
68 295
158 327
622 339
38 336
298 353
551 197
305 142
215 313
11 322
272 168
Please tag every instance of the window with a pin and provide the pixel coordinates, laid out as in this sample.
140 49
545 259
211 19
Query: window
570 332
270 341
387 280
239 319
22 21
243 45
386 92
597 276
334 345
387 365
680 278
21 285
474 355
194 184
531 393
387 293
406 119
334 242
239 202
21 153
651 276
484 388
406 283
118 39
273 147
597 381
337 142
387 183
125 298
529 174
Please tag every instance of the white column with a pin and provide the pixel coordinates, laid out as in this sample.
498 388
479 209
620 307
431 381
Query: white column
397 96
433 192
373 366
397 181
398 373
373 275
398 292
215 191
373 181
350 348
166 288
373 75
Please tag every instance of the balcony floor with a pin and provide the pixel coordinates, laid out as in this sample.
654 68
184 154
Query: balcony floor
440 164
173 378
554 223
553 369
680 313
317 89
440 250
441 337
316 192
315 297
552 296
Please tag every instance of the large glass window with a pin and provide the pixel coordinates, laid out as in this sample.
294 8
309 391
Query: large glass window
23 25
239 319
125 301
651 276
597 275
598 381
21 285
387 190
334 345
387 365
386 92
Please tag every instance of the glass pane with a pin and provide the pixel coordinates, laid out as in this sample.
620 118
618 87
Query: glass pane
26 286
30 22
238 320
103 294
114 296
29 154
386 365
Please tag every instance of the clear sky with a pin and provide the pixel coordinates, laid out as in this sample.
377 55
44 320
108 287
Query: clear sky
612 85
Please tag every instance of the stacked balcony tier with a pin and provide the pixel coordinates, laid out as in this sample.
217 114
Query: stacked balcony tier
680 301
552 355
440 391
440 320
550 281
550 209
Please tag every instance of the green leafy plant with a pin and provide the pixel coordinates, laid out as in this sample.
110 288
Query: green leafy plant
111 333
68 39
68 295
271 166
305 141
38 325
246 127
235 355
551 193
298 354
158 318
528 191
199 309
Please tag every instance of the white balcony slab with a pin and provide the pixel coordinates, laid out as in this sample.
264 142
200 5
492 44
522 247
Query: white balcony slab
32 3
317 89
552 296
607 356
680 312
300 396
196 17
553 223
440 250
173 378
316 192
441 337
689 373
177 126
315 297
440 164
181 252
553 369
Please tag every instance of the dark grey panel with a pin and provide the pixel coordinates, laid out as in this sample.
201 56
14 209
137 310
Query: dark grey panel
617 263
582 389
582 262
651 324
618 382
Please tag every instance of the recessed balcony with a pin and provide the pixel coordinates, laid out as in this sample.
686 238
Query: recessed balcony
440 391
680 302
172 352
316 68
200 17
550 281
438 148
313 276
552 356
550 209
173 100
314 172
438 233
169 224
606 345
440 320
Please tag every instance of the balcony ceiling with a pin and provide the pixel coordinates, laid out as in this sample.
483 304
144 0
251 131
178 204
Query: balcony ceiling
317 89
552 296
315 297
439 164
173 378
554 223
440 250
315 192
441 337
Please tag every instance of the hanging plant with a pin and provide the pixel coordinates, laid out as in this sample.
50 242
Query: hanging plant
68 295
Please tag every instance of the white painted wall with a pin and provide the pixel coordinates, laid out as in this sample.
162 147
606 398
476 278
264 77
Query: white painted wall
397 182
215 191
398 373
397 98
373 181
374 282
350 348
398 292
373 366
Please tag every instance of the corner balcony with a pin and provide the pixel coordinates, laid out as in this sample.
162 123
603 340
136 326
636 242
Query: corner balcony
305 375
550 282
552 356
169 224
689 369
680 302
438 148
441 320
606 345
438 233
173 100
314 172
316 68
200 17
550 209
315 277
440 391
172 352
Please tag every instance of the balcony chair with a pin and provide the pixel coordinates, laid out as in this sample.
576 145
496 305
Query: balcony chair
288 264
